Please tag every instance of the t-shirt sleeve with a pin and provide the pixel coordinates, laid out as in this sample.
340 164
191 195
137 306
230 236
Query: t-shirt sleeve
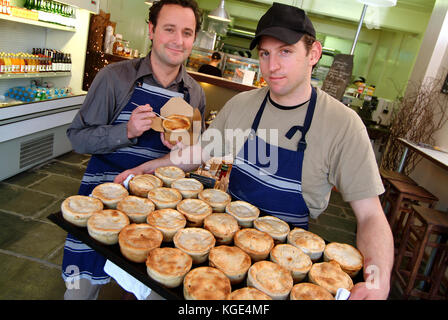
354 169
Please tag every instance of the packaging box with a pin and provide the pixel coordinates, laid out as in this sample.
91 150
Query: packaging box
179 106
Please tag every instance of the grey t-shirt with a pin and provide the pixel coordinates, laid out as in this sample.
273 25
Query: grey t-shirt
92 131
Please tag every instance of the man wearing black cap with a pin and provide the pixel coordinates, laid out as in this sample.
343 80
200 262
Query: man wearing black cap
212 67
293 143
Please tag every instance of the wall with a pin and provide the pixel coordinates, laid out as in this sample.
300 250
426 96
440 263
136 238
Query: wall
432 63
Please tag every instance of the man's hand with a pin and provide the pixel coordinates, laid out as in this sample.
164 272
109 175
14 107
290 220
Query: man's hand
361 291
166 143
140 121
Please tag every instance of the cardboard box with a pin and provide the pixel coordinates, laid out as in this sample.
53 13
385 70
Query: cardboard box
178 105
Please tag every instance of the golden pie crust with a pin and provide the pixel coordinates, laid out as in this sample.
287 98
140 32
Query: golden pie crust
308 242
104 226
257 244
244 212
293 259
176 122
223 226
142 183
188 187
271 278
275 227
349 258
248 293
164 197
196 242
136 240
168 221
231 260
169 174
136 208
168 266
195 211
206 283
216 198
78 209
330 276
309 291
110 193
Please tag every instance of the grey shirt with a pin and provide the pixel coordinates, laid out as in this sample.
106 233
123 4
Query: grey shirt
92 131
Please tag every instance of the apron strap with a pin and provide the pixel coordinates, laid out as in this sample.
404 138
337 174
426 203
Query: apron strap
259 114
182 89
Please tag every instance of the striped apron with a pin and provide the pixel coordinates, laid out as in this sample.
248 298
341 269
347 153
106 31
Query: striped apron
80 261
275 192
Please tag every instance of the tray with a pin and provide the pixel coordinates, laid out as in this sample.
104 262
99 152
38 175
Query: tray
138 270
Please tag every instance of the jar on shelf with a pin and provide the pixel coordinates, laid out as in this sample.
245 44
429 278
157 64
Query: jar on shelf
118 47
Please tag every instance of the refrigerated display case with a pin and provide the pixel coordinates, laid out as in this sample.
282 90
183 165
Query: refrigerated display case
198 57
231 64
32 132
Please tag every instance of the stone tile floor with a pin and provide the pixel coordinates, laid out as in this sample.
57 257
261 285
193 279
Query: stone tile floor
31 246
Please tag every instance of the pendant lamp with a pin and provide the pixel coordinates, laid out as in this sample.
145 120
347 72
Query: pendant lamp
220 13
373 3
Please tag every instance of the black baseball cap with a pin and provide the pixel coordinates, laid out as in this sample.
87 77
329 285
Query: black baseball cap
285 23
216 56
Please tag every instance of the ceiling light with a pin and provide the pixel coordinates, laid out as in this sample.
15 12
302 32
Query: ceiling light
379 3
220 13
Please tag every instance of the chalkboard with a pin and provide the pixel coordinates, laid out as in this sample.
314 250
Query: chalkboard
339 76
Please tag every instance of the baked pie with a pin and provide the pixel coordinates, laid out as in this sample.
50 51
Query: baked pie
257 244
330 276
104 226
136 240
293 259
169 174
176 122
188 187
142 183
308 242
206 283
78 209
309 291
195 211
244 212
275 227
216 198
164 197
110 193
348 257
223 226
168 266
233 261
248 293
136 208
271 278
196 242
168 221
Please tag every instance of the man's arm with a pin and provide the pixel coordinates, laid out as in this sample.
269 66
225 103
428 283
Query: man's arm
188 158
375 241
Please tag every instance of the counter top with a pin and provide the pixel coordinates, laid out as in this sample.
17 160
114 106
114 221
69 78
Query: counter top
220 82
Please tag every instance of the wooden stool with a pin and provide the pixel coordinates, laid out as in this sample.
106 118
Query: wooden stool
387 175
422 224
400 196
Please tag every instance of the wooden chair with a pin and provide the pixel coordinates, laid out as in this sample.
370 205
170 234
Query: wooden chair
423 225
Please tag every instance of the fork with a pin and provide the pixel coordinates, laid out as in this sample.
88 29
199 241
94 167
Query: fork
152 111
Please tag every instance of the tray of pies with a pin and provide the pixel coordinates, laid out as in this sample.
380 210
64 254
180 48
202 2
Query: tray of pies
185 241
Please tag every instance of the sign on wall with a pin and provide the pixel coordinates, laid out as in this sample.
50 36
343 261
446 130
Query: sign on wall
339 76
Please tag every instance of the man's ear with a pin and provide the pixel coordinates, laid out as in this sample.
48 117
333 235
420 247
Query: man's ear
151 30
315 52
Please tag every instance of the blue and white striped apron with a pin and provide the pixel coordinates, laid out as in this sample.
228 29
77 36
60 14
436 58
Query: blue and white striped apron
104 168
275 192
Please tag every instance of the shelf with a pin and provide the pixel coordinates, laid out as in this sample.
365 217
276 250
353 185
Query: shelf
36 23
34 75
